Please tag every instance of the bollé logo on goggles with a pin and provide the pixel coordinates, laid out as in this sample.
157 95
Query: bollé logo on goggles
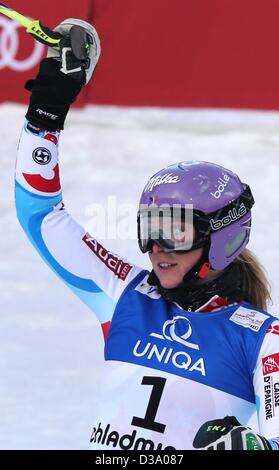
233 215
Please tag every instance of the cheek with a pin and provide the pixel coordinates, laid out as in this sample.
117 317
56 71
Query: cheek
196 255
188 260
151 260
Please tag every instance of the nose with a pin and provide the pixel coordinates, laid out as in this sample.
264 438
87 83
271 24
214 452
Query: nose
156 248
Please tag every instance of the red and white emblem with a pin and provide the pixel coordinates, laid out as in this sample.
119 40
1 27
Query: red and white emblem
270 364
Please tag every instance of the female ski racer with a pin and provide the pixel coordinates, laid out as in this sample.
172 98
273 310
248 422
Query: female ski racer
190 350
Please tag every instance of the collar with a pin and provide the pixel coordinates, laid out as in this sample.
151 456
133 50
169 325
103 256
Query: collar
214 304
206 296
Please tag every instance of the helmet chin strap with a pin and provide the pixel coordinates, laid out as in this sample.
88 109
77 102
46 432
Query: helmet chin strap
191 294
200 270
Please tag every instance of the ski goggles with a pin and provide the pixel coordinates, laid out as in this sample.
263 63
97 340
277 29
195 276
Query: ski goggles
172 228
178 228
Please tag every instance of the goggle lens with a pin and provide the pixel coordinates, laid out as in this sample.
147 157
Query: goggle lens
172 229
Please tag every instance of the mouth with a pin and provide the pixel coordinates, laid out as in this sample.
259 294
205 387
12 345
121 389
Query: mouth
166 266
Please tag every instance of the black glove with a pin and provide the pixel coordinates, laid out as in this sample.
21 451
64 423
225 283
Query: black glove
52 94
228 434
63 74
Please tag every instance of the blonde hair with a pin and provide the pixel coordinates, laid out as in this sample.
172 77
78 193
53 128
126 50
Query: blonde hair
254 283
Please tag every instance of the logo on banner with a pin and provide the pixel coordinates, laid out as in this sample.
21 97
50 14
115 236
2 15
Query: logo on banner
10 45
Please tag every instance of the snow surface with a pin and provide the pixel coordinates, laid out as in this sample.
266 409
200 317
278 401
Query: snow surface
50 343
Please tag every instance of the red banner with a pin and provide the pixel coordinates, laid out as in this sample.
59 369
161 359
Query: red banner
190 53
193 53
20 54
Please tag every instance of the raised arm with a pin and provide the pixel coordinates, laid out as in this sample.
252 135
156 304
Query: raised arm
97 276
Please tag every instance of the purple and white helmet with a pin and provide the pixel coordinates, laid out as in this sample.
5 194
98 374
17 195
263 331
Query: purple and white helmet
196 194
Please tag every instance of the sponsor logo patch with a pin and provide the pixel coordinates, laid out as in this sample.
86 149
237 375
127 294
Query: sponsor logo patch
181 360
51 116
41 155
233 215
119 267
222 183
107 436
270 364
268 398
146 289
176 330
248 318
167 178
274 329
271 397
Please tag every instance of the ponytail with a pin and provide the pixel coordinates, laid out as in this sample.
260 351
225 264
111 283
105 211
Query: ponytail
254 283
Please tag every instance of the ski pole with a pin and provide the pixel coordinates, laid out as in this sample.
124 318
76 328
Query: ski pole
40 32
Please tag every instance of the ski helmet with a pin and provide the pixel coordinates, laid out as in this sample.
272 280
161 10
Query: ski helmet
202 195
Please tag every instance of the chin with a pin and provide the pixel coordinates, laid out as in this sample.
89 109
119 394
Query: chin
168 284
